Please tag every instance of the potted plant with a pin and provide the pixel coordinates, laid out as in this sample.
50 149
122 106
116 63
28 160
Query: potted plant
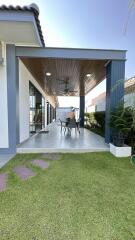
120 123
131 101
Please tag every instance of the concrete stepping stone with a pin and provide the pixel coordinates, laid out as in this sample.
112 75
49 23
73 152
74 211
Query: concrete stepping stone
40 163
51 156
3 181
23 172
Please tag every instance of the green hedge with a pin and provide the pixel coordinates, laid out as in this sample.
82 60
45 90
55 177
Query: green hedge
95 122
96 119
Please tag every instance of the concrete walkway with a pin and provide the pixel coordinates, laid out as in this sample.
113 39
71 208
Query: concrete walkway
40 163
57 141
23 172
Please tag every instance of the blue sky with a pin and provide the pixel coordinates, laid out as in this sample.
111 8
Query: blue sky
88 24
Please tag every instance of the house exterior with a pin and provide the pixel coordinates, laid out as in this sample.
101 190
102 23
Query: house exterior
129 97
21 27
98 104
31 74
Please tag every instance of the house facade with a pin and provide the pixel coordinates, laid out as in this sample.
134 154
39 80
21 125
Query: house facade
97 104
31 75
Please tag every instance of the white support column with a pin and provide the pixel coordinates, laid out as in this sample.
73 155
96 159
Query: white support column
11 101
115 76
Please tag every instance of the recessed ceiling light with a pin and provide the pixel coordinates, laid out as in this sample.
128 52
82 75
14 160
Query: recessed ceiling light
88 75
48 74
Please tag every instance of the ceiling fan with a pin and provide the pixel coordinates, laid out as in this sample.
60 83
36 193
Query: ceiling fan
67 91
63 81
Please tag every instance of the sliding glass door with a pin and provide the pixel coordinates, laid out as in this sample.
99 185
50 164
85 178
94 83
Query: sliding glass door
37 110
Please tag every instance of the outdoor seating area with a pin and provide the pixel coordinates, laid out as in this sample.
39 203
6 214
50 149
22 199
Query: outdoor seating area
68 124
56 140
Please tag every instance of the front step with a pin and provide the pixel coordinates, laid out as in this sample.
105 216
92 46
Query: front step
61 150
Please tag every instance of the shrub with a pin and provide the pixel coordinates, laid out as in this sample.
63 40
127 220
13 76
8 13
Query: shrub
96 119
121 122
100 119
89 117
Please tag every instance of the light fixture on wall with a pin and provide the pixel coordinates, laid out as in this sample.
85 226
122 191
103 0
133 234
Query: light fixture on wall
48 74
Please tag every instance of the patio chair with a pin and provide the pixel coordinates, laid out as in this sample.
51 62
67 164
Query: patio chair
73 124
78 124
62 124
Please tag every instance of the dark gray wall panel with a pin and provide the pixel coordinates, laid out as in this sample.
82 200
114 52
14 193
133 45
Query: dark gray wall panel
82 109
115 76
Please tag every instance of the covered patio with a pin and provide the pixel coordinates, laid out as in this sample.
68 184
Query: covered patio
59 141
60 72
75 72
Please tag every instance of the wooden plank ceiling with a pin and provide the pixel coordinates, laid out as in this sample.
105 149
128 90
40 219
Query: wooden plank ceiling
68 76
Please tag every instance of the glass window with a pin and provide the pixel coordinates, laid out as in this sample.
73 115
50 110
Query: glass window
37 110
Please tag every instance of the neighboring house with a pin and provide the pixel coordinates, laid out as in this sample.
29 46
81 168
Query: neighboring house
33 75
99 103
129 97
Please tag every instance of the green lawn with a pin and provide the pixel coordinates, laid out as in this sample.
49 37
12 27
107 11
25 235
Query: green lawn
80 197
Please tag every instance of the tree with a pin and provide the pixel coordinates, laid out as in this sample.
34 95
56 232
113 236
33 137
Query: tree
132 4
130 8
